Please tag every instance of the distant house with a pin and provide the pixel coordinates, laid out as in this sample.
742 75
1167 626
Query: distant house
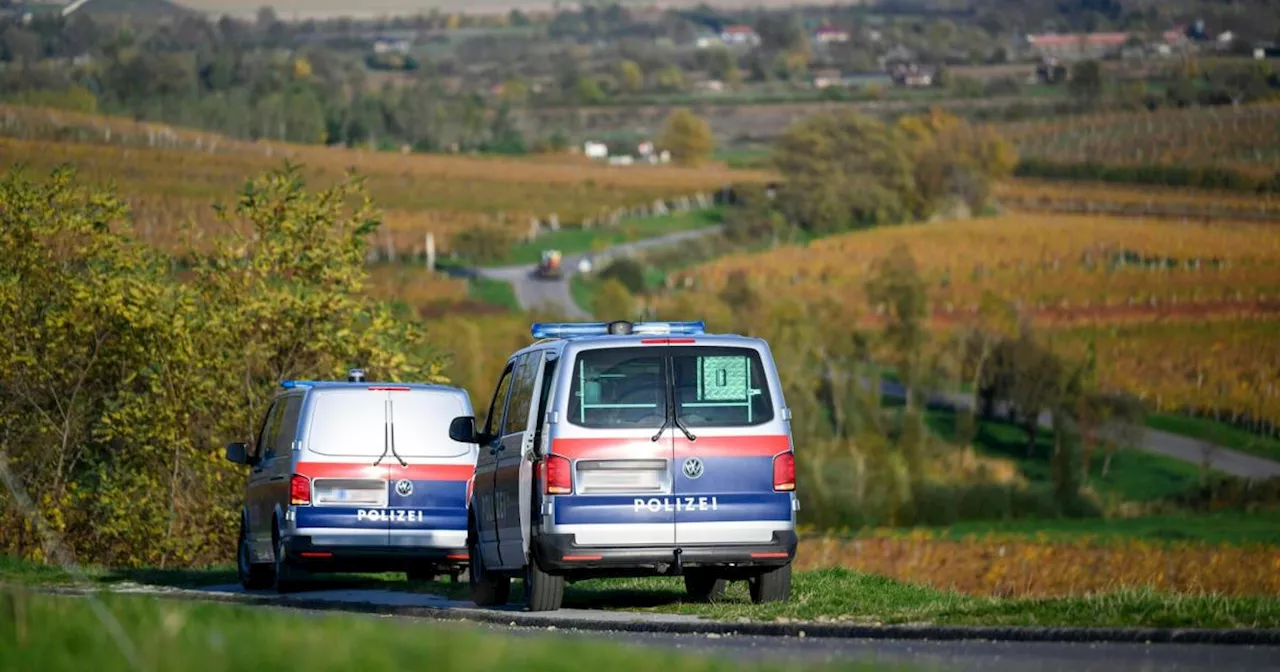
827 78
595 150
739 35
830 34
912 75
1076 47
388 46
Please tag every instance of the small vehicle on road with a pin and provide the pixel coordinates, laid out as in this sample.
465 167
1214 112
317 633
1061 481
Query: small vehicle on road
549 266
621 449
355 476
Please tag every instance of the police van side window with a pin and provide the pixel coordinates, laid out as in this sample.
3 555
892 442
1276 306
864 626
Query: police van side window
499 403
288 429
521 395
264 442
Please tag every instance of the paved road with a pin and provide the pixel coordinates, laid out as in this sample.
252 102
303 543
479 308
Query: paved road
533 293
927 654
1179 447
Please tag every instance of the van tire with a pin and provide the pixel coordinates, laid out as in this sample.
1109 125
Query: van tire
543 591
486 589
771 586
285 574
704 587
253 575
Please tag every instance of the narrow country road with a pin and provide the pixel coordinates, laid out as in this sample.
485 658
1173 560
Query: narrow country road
1221 459
553 295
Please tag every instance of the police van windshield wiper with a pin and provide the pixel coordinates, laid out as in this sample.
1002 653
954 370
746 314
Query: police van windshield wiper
391 424
665 421
687 434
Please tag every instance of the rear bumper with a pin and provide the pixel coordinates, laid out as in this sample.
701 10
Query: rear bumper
558 554
301 552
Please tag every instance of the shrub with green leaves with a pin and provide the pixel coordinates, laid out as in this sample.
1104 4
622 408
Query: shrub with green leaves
122 377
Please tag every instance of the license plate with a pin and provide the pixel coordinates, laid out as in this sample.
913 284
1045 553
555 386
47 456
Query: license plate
619 481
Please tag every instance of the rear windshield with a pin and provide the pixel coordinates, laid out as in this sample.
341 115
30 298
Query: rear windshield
355 423
631 387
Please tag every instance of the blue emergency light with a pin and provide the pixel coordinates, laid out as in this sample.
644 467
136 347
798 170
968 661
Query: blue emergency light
571 329
290 384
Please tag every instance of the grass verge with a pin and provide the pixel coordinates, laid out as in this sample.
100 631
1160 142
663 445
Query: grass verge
493 292
1216 432
42 632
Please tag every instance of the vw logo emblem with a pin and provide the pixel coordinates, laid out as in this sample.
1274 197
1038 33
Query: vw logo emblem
404 487
693 467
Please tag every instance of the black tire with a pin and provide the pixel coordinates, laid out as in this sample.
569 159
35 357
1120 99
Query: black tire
542 591
771 586
421 573
253 575
704 586
486 590
287 578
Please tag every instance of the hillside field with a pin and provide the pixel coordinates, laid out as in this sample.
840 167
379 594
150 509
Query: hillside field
1184 314
172 176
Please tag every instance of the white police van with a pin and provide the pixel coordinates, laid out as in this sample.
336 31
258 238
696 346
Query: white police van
620 449
355 476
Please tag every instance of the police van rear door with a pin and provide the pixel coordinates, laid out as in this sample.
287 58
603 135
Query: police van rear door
618 439
428 471
347 456
728 434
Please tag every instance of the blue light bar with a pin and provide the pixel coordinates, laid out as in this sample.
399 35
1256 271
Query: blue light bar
571 329
290 384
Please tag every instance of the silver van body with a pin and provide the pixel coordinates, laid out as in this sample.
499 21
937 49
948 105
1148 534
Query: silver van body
636 454
356 476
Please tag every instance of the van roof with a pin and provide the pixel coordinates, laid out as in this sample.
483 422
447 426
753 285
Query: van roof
588 341
344 385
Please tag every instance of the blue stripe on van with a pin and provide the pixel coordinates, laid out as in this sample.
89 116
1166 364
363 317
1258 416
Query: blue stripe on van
436 505
612 509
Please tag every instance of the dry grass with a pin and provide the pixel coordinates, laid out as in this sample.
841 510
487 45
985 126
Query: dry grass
1007 568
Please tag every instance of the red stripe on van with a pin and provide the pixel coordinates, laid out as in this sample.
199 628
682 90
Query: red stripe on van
606 447
417 472
732 446
706 446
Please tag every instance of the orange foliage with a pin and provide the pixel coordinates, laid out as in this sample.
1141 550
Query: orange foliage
1031 569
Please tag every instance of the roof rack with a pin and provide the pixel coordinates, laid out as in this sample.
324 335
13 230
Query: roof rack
551 330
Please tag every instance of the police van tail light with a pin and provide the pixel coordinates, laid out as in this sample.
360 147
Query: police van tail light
559 477
300 490
784 472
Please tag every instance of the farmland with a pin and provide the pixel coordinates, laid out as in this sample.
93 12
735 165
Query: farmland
1184 314
1242 138
171 177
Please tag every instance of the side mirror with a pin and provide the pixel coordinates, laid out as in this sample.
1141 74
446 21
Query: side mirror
463 430
238 452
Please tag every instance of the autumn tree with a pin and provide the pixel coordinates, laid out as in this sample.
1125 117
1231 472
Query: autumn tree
844 170
688 137
630 76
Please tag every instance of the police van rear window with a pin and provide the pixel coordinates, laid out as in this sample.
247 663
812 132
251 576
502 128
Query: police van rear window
623 388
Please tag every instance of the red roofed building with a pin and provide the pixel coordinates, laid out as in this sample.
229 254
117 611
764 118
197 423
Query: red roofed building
739 34
1088 45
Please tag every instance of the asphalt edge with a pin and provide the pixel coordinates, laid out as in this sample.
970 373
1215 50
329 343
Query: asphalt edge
515 617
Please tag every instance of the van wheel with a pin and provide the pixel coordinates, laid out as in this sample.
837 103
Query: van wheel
286 575
704 586
542 591
771 586
253 575
487 590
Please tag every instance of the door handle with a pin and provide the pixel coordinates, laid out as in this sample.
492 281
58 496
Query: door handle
277 478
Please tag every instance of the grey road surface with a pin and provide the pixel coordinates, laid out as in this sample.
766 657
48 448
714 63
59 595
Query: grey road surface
1221 459
911 654
553 295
